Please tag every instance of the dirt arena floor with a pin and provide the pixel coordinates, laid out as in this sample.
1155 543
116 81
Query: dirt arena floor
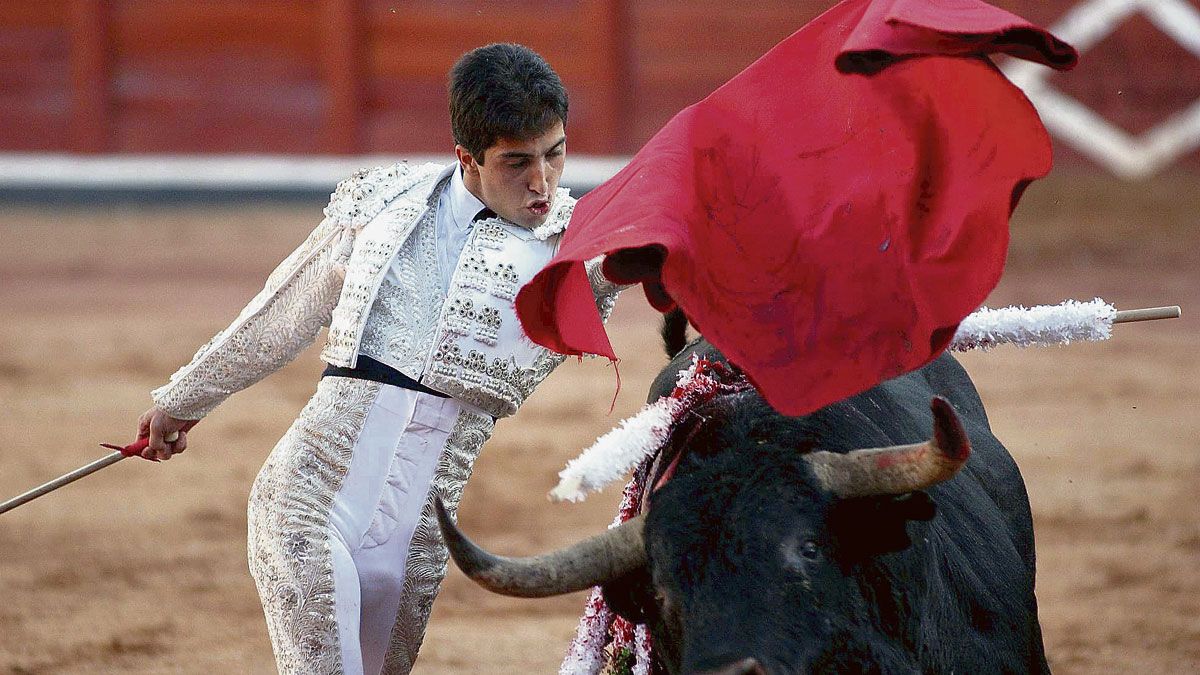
141 568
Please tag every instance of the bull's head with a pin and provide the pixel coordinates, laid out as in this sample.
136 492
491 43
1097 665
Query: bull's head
751 558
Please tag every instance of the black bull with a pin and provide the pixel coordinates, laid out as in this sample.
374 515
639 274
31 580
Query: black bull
753 559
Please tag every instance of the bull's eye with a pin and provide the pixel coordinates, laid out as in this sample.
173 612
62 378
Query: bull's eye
801 555
809 550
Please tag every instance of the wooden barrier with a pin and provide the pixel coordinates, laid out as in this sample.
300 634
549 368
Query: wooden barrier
369 76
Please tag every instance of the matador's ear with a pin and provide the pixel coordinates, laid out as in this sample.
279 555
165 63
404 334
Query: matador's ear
468 162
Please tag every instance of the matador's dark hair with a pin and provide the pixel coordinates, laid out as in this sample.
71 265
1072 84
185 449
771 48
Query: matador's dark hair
503 91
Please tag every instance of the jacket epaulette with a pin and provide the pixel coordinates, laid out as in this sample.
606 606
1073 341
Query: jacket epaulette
367 192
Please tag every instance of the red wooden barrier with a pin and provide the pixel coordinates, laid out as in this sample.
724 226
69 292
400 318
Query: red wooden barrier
35 75
355 76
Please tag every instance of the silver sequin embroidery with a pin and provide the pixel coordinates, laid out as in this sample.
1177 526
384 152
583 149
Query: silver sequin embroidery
404 316
288 525
427 555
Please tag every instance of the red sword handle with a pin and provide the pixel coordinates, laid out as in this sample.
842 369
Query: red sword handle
135 448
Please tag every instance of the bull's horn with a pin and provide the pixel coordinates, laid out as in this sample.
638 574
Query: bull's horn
898 469
588 563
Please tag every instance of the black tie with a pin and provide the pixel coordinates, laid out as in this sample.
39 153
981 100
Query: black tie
483 214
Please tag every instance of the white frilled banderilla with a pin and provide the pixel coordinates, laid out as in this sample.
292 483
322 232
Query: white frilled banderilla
1071 321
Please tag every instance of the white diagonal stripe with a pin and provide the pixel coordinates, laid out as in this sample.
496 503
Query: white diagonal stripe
1176 18
1085 130
1089 133
1085 25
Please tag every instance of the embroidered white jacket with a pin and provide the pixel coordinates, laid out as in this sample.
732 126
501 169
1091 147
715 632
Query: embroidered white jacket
467 344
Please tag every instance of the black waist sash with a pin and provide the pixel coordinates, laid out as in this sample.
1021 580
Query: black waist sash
370 369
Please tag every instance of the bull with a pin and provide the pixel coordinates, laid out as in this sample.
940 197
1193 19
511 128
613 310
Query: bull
844 541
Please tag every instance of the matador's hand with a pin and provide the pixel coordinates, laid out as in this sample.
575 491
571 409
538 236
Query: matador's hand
160 426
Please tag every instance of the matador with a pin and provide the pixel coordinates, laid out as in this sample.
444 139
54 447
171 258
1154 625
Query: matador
414 270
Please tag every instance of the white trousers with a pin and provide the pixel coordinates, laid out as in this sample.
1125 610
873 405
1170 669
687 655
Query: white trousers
374 515
332 516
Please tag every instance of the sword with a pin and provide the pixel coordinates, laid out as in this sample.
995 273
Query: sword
119 453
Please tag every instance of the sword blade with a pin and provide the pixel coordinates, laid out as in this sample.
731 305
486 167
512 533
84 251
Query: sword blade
53 485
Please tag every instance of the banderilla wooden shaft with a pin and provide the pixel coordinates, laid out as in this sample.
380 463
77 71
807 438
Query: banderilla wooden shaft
85 470
1148 314
61 481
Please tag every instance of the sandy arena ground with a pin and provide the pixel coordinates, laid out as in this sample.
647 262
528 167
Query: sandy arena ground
141 568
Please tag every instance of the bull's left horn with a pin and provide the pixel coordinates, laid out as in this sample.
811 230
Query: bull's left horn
898 469
588 563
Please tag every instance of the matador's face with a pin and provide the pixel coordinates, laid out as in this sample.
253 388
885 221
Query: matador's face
517 178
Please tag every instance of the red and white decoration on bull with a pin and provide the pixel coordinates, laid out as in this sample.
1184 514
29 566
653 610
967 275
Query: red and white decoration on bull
599 627
638 438
603 638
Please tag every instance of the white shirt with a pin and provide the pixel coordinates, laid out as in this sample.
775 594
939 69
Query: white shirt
456 210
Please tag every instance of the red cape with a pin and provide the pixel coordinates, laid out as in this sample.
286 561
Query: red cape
829 216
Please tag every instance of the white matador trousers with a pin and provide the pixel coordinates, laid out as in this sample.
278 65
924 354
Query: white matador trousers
343 541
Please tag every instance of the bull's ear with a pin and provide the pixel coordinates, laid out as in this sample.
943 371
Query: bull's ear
873 526
631 596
